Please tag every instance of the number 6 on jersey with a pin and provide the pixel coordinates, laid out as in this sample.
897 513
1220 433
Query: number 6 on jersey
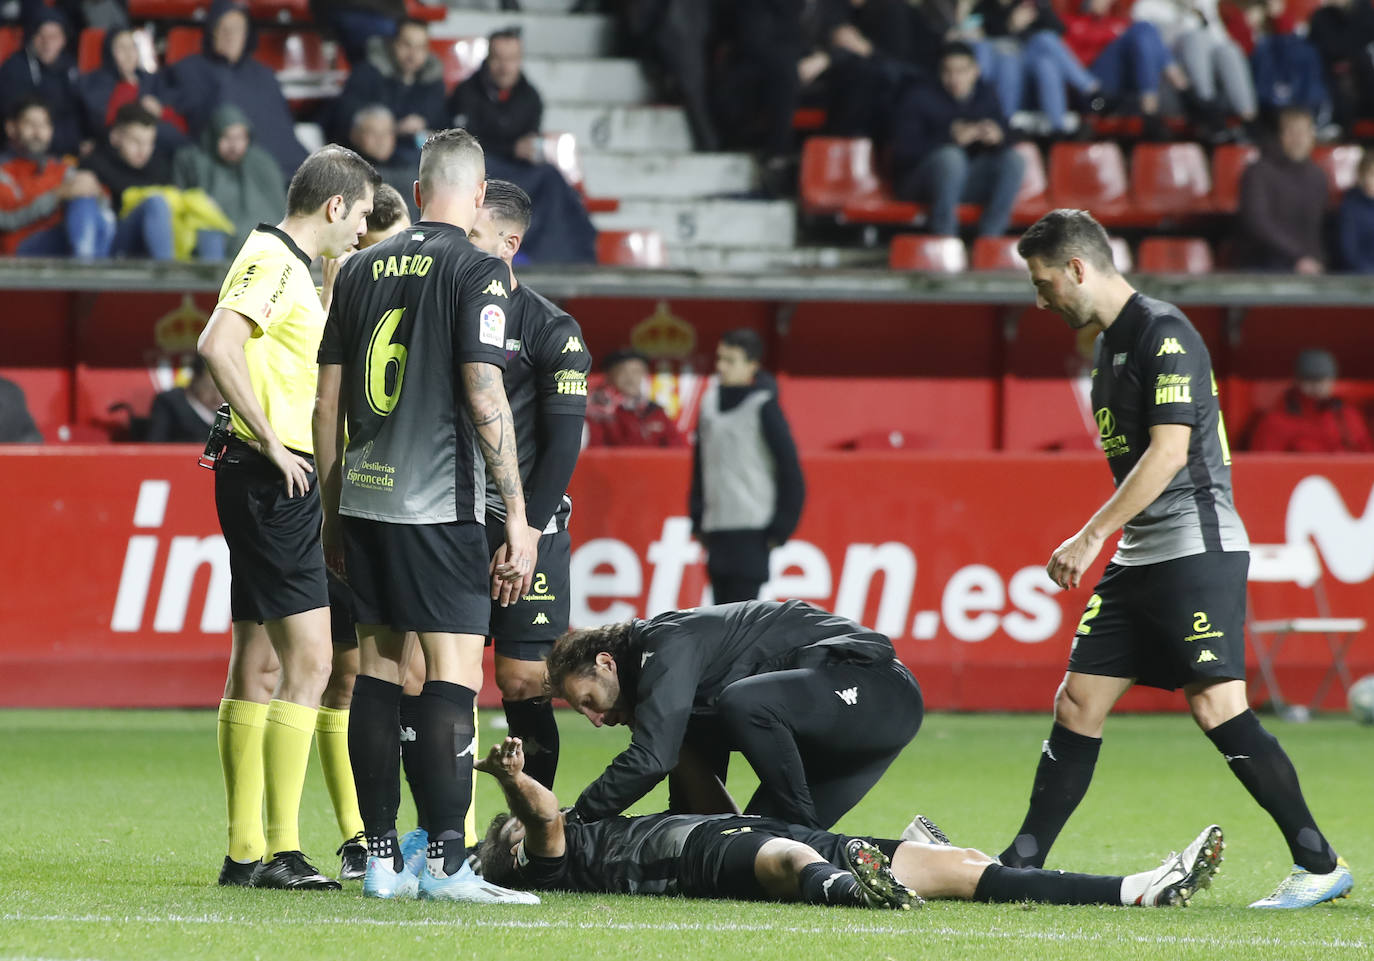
381 354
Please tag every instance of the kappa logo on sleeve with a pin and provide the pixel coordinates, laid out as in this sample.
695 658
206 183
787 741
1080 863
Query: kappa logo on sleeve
1170 346
495 289
573 346
492 329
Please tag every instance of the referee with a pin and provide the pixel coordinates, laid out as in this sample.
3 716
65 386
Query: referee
411 363
259 346
546 380
1169 611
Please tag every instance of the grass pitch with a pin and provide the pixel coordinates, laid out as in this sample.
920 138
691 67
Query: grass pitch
113 834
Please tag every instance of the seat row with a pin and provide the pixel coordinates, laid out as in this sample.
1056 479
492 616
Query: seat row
948 255
1165 183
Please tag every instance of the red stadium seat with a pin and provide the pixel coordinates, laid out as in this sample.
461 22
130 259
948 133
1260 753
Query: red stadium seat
88 49
1228 164
630 248
1032 200
1175 255
296 51
425 12
1091 176
808 118
996 253
182 42
282 11
1169 180
11 39
166 9
839 173
460 57
938 255
1340 161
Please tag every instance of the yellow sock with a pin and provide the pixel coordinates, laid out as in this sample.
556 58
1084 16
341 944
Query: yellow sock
470 819
331 741
239 731
285 754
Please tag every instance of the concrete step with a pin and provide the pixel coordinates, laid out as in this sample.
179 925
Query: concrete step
733 260
768 224
670 176
622 129
545 34
588 81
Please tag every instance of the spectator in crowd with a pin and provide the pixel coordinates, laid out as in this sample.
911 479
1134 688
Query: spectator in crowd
1024 38
183 415
747 487
43 68
674 36
129 158
16 423
1355 220
355 22
102 14
241 177
1217 70
620 413
503 110
949 146
373 135
865 50
1286 68
1127 57
1310 418
1342 31
390 215
48 208
120 79
1282 201
404 76
226 73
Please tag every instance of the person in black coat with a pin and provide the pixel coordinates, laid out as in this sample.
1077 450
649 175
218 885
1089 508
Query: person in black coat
402 75
44 68
501 108
120 79
183 415
130 158
818 705
226 73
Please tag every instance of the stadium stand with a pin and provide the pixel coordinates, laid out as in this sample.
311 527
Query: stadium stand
1175 255
945 255
630 248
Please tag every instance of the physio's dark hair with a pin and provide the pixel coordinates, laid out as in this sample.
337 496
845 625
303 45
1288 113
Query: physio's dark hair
574 654
746 339
388 208
330 171
495 859
1063 234
509 204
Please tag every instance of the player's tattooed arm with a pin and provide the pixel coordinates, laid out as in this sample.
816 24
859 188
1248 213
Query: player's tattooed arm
490 410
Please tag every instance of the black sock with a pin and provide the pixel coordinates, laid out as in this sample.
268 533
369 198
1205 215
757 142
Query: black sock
823 883
1259 762
533 722
374 751
1061 779
1004 884
445 744
410 760
386 846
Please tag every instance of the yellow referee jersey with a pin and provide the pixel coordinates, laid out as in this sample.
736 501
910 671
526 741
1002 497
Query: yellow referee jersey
269 283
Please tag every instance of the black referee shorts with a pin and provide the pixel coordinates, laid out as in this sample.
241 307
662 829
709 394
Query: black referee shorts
1167 624
527 629
276 563
718 857
429 578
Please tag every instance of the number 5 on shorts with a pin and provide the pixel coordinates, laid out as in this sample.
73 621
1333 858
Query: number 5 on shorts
382 352
1093 609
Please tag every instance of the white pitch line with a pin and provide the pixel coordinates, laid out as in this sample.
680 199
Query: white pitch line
678 926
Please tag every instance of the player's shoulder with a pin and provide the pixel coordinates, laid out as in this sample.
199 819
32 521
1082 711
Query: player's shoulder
1164 327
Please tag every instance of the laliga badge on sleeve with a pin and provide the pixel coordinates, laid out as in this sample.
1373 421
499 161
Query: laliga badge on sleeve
492 329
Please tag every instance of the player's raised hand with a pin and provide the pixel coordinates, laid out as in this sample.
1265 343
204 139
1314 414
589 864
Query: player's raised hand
1071 559
506 759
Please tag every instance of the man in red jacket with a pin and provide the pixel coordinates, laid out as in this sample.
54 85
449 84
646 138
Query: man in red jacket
1310 419
620 415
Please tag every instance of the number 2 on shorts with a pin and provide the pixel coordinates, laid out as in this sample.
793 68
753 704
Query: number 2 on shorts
1093 609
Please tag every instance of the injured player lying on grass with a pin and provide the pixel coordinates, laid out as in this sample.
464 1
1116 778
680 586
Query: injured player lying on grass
764 859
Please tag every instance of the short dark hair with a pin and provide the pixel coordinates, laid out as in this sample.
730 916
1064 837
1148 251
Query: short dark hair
746 339
509 203
133 114
444 145
328 172
574 654
505 33
388 207
1063 234
623 354
957 48
1294 112
493 857
24 104
409 22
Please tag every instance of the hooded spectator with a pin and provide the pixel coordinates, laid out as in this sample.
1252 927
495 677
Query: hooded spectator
226 73
44 68
120 79
238 175
402 75
1310 418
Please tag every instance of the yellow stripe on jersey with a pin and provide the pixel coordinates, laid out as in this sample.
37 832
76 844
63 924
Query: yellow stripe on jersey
271 285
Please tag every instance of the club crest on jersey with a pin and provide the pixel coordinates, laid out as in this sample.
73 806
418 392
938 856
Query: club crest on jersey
495 289
492 329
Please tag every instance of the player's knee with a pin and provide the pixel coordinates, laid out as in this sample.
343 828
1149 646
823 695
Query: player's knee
520 680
